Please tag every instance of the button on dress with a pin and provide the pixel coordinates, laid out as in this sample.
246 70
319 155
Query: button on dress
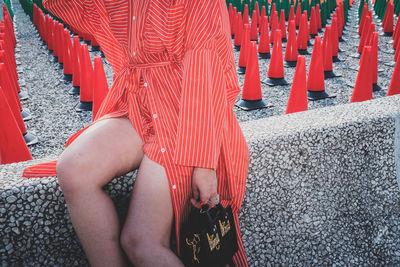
175 79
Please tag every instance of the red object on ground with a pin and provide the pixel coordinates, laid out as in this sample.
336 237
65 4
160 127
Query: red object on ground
257 9
68 54
327 49
264 45
86 94
374 57
282 25
253 27
291 46
252 83
298 93
273 23
291 14
100 88
318 14
239 30
363 87
313 22
244 47
302 34
335 37
315 79
362 20
275 69
12 145
364 34
394 87
388 25
263 14
298 15
76 75
246 19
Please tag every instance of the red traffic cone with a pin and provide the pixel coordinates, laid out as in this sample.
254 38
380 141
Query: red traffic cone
313 23
298 15
264 45
100 88
246 19
362 20
263 14
233 21
61 44
244 50
282 25
302 38
86 94
238 31
315 79
291 14
394 87
395 35
335 40
253 27
363 87
251 96
291 46
388 26
275 71
298 94
12 145
257 9
68 53
273 23
318 14
76 73
374 61
327 54
364 34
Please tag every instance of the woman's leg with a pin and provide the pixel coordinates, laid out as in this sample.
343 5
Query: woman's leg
108 148
146 233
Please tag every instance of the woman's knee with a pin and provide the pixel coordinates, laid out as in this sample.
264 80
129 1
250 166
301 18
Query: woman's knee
70 172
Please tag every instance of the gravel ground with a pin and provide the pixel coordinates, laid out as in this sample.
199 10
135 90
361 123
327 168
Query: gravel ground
52 108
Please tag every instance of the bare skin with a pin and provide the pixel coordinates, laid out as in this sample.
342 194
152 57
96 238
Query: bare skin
109 148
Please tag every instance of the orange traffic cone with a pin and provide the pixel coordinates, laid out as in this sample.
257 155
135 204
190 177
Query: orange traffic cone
362 20
251 96
335 40
86 94
76 73
12 145
298 94
374 61
394 87
302 38
315 79
238 31
388 25
327 54
100 88
253 27
298 15
282 25
313 23
364 34
363 87
275 71
244 50
68 65
291 46
273 23
264 45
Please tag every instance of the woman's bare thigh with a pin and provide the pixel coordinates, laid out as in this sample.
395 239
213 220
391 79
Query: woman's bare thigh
108 148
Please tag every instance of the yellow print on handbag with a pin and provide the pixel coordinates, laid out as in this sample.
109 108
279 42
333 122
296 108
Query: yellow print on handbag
213 240
225 226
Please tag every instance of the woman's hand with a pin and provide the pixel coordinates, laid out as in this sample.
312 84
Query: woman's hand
204 186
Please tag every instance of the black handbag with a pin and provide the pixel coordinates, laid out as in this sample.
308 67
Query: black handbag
208 238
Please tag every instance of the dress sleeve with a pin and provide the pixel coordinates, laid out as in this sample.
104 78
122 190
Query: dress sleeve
203 106
79 14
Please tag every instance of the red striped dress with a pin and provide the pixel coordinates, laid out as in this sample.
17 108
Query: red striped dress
175 79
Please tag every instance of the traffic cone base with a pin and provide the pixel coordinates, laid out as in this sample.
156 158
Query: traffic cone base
290 64
376 87
330 74
241 70
26 116
336 59
83 106
75 90
23 95
264 55
251 104
67 77
303 52
30 139
318 95
276 81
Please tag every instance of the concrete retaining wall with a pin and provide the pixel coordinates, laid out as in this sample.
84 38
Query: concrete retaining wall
323 189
